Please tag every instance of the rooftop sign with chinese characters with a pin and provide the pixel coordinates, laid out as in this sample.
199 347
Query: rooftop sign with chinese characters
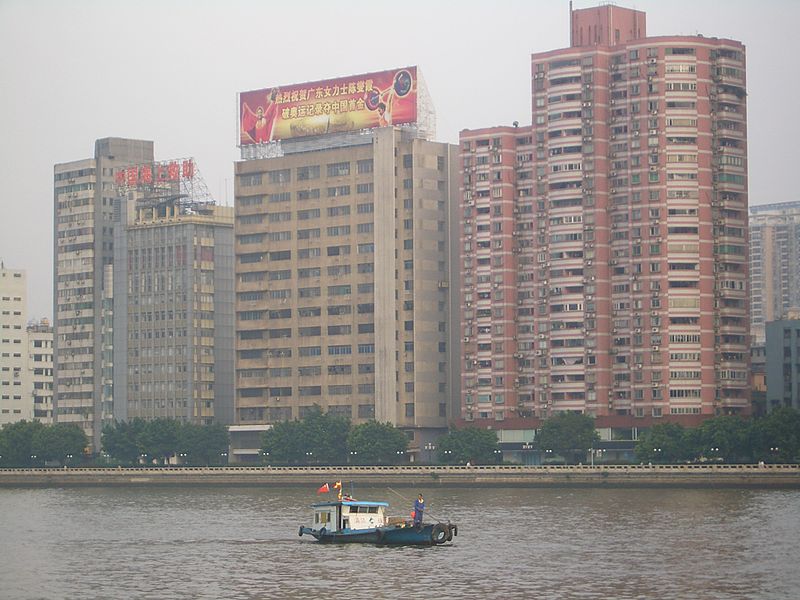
330 106
165 172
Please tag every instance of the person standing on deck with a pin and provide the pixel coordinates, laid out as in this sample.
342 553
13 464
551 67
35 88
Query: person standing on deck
419 509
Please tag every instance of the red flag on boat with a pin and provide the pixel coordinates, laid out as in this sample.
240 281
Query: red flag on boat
324 489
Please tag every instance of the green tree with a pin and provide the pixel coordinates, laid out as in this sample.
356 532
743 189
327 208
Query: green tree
159 439
726 437
568 434
458 446
325 436
666 443
319 439
776 436
376 444
16 444
122 440
203 444
283 443
56 443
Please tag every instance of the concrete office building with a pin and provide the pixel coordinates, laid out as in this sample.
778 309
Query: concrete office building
84 192
783 362
774 263
344 265
173 298
15 384
40 366
626 201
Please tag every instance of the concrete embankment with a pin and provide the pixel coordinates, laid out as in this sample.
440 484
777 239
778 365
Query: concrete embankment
755 476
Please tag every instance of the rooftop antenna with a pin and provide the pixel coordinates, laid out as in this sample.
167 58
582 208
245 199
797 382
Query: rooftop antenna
571 26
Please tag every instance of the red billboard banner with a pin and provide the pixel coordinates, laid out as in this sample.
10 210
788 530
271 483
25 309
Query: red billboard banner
329 106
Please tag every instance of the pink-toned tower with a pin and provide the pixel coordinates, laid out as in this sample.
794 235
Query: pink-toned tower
629 240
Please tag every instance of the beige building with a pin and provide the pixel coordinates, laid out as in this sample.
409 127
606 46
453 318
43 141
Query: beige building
343 281
84 192
15 399
40 367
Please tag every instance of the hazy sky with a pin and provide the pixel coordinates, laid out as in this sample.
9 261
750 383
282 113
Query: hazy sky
169 70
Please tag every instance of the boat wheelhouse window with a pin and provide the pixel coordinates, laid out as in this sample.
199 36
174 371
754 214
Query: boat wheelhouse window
372 509
322 517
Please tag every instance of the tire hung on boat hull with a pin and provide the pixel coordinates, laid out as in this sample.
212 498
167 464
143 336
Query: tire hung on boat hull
439 534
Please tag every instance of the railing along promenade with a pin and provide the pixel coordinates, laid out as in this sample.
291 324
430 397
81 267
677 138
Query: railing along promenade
757 476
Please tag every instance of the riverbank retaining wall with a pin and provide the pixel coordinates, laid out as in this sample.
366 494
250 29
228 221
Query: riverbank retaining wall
758 476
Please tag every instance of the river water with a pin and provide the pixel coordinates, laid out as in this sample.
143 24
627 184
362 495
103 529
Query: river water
209 542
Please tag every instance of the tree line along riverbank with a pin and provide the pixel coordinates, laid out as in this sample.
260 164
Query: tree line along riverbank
754 476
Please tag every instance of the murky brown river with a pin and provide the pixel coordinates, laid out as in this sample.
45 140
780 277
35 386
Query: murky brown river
176 542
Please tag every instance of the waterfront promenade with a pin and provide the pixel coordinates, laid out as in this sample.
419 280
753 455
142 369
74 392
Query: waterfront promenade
754 476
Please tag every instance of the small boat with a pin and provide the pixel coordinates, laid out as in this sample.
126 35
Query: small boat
353 521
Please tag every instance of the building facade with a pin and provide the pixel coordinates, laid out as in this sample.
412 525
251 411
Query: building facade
40 366
15 383
783 362
173 299
774 263
627 209
83 211
343 272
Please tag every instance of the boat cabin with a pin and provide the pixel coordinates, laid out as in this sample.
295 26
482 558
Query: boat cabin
349 515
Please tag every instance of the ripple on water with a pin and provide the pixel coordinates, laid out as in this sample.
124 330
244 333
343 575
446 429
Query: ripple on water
176 543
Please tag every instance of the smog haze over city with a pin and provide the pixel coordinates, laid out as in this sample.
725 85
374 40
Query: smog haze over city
73 72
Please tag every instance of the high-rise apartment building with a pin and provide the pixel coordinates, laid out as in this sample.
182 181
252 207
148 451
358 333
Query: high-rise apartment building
173 298
343 273
626 201
84 193
15 384
774 264
40 366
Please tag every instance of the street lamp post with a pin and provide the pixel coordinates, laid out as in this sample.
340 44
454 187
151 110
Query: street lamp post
774 451
447 454
498 455
400 454
430 448
656 454
264 456
353 454
223 457
308 457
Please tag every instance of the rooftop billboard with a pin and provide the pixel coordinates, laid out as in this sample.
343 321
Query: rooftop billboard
329 106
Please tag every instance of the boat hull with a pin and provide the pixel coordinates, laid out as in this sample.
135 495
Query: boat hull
428 534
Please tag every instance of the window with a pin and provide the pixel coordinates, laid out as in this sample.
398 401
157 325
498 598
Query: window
306 173
338 211
365 166
339 290
339 169
280 176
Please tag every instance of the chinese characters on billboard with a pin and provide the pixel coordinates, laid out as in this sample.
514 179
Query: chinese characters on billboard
329 106
163 172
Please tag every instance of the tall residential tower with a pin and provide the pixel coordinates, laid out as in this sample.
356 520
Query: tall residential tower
774 264
629 218
84 193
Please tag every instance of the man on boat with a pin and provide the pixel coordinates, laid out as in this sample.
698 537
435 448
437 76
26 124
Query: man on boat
419 509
